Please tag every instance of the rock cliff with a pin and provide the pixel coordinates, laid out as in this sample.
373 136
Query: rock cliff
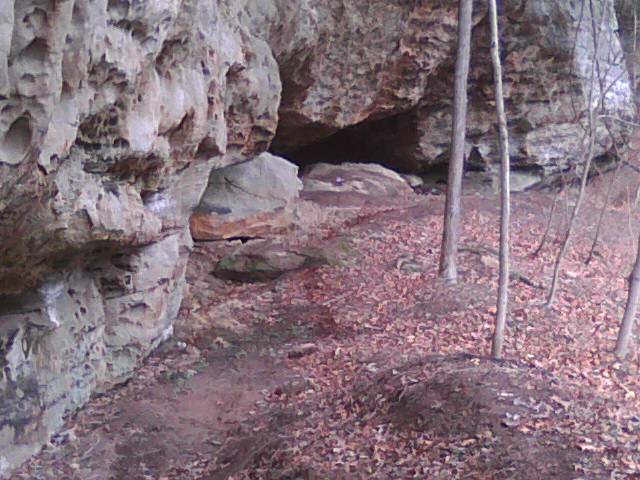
115 113
404 119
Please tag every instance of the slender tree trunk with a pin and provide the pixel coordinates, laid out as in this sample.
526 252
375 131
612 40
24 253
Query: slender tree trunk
603 211
547 230
635 48
505 214
607 197
450 237
633 296
586 166
572 219
624 335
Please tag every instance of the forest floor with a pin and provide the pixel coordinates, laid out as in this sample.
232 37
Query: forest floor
370 367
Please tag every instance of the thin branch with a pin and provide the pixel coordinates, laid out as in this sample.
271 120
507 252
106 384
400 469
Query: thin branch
549 222
607 198
585 173
618 119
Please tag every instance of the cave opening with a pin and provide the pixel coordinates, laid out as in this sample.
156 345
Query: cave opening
391 142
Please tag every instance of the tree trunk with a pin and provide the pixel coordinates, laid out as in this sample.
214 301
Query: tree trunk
505 214
626 329
591 132
547 230
607 197
450 237
551 298
624 335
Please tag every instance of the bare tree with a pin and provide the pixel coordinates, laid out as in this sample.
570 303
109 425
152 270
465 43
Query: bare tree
547 230
591 135
605 204
503 284
633 296
624 335
450 237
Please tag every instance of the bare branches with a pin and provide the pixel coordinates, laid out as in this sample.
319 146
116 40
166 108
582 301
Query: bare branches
586 163
549 223
618 119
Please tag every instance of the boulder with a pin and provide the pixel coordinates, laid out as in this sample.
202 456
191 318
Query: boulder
251 199
113 115
302 350
547 57
414 181
348 67
350 185
630 35
261 263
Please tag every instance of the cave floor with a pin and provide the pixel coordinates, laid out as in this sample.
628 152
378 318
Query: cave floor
369 367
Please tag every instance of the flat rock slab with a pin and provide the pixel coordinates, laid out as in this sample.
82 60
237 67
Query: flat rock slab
302 350
352 185
256 263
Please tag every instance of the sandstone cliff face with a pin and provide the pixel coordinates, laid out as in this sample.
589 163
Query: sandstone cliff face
114 113
628 18
548 48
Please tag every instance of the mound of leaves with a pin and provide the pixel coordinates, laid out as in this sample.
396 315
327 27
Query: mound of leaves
439 417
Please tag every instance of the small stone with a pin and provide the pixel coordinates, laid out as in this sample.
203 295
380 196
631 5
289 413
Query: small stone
302 350
260 263
414 181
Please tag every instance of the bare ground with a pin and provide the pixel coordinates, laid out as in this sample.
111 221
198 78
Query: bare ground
369 367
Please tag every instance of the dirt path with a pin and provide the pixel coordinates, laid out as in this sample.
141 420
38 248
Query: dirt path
361 368
170 419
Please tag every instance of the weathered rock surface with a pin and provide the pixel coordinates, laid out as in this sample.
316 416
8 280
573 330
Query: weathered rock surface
250 199
414 181
353 68
547 84
115 112
351 185
260 263
113 115
628 14
548 53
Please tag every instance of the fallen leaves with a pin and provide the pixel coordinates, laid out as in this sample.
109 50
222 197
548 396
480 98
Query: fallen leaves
398 314
363 401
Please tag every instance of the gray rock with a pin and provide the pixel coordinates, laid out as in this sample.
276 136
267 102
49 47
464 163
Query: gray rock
114 114
352 184
413 181
402 117
250 199
259 263
547 84
521 181
302 350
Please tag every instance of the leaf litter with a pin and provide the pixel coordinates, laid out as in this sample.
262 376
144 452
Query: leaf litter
370 367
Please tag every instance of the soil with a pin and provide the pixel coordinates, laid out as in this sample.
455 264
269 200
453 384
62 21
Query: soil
370 367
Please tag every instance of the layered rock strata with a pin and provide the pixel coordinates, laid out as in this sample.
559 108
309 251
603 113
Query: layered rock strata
115 112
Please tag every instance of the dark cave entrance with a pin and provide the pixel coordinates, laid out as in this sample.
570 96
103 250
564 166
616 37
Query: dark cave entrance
391 142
